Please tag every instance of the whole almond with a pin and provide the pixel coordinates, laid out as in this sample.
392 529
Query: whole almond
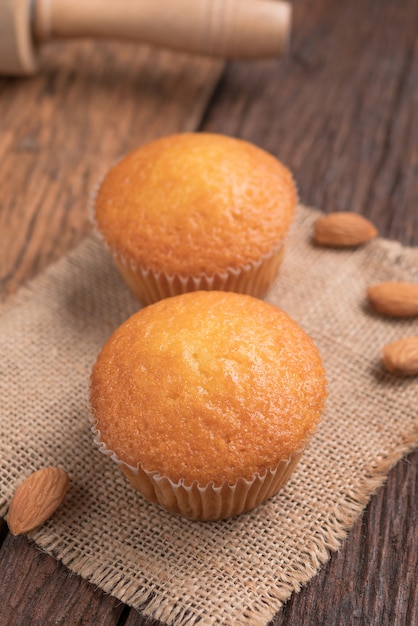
36 499
343 230
401 357
397 299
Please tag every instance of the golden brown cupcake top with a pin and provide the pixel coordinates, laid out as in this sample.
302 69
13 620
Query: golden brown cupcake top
195 203
207 386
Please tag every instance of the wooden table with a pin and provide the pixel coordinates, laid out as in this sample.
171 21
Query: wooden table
342 112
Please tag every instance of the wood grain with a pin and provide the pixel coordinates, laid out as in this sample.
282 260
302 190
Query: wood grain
62 129
38 590
342 112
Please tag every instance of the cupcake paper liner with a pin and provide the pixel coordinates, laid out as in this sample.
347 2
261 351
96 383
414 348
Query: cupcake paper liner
253 278
204 502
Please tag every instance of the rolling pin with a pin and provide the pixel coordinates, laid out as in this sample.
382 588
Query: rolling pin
228 29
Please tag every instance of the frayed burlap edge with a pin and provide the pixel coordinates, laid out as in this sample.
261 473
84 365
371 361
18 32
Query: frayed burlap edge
345 515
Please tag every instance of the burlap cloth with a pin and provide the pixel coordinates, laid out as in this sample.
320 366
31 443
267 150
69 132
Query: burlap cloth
232 572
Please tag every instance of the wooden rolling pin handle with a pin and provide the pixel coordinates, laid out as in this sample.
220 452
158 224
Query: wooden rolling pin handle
18 54
223 28
220 28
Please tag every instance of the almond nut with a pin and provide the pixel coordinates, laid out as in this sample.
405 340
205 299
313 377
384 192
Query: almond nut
397 299
341 230
401 357
36 499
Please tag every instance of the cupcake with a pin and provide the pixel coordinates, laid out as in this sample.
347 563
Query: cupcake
196 211
206 401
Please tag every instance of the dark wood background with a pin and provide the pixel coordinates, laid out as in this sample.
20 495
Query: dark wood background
342 112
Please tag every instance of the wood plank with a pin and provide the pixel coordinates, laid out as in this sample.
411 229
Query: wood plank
37 590
341 111
62 129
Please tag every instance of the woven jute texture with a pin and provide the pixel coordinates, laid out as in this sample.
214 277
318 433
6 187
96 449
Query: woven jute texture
232 572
